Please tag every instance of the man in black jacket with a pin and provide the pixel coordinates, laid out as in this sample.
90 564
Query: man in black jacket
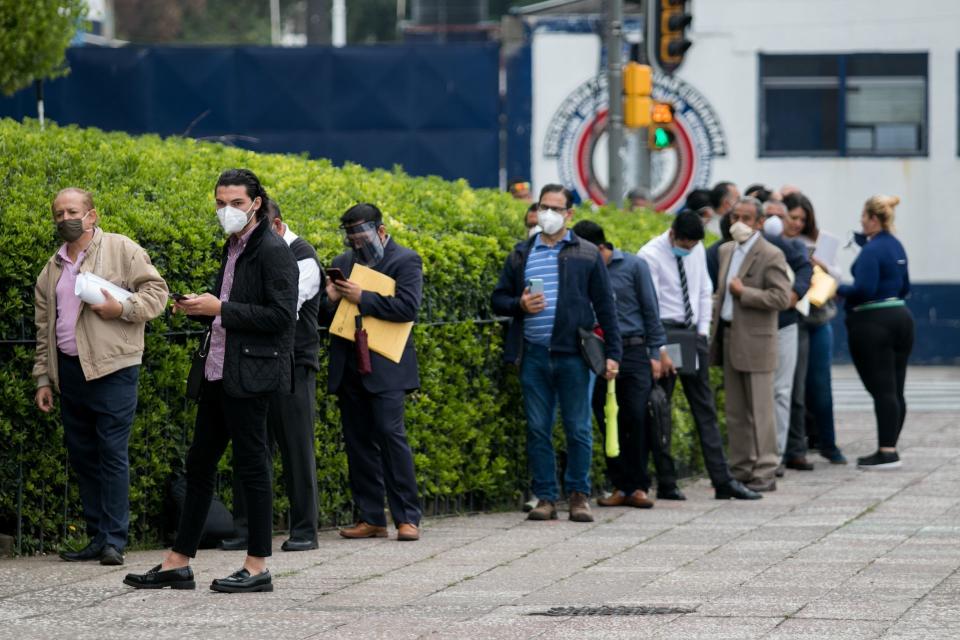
291 416
371 404
252 315
552 286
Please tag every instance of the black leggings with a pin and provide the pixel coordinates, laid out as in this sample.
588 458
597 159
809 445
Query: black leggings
880 344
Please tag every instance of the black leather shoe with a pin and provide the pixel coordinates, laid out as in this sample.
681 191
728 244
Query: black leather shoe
181 578
89 552
735 490
781 470
799 464
242 582
111 556
299 544
233 544
670 493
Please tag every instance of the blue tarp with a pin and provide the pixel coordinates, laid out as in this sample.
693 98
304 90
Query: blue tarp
434 109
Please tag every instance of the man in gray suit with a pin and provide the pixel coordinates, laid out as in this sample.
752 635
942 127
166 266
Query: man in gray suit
753 286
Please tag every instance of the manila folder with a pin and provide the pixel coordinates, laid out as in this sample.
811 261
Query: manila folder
386 338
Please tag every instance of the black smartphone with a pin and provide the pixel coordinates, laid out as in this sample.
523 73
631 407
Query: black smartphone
178 296
335 274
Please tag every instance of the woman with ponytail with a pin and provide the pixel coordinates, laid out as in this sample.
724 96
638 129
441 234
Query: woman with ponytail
879 325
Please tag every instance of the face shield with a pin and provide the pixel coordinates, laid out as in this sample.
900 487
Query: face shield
365 241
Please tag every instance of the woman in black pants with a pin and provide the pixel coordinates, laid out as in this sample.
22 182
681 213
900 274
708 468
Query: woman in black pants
879 325
252 315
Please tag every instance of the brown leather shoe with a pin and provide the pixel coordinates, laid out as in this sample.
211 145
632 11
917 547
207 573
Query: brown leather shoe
545 510
615 499
408 532
639 500
364 530
580 507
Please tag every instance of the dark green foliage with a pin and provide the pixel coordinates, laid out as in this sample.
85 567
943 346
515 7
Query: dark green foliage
465 425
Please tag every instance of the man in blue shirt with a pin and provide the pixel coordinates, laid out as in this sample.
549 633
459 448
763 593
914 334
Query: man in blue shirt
638 314
543 339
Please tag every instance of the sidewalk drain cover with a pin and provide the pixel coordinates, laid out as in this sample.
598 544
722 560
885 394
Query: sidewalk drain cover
610 611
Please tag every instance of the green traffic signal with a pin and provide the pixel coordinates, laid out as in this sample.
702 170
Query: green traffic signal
661 138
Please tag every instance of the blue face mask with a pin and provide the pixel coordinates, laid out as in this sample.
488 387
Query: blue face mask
680 252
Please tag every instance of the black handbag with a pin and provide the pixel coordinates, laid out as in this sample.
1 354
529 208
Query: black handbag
659 417
592 350
197 366
686 339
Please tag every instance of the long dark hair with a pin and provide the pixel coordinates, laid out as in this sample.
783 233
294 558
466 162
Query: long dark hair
792 201
250 182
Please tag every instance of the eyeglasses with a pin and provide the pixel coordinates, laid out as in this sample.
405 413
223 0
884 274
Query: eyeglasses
546 207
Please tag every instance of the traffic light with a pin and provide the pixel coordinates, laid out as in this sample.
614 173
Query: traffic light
637 86
661 137
669 24
662 113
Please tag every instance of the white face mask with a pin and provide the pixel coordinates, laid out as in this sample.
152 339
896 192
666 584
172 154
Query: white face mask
741 232
550 221
232 219
773 226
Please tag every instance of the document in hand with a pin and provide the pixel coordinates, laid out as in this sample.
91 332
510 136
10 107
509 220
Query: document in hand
827 247
386 338
823 287
88 286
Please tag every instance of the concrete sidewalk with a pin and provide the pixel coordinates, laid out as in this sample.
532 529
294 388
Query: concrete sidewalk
835 553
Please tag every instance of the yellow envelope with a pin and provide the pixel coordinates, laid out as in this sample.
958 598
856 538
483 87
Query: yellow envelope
823 287
386 338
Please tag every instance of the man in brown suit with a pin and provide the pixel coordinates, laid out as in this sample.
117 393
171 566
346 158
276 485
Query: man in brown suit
753 285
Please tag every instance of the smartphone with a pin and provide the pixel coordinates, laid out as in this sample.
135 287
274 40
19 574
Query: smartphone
178 296
335 274
536 286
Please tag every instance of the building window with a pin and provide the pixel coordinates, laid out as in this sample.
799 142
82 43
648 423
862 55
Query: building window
858 104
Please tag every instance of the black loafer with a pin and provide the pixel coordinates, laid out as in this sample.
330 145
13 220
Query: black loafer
298 544
242 582
233 544
111 556
670 493
735 489
180 578
90 552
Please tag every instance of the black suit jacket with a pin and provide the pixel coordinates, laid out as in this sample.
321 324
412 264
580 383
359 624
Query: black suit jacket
406 267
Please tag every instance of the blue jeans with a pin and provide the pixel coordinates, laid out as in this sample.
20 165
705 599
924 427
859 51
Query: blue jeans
546 379
819 385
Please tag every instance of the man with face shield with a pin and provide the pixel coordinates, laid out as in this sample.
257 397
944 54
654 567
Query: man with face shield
90 354
372 402
754 285
251 314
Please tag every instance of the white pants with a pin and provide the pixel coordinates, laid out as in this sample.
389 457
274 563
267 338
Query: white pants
783 382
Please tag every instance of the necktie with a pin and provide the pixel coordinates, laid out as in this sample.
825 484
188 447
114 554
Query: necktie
687 309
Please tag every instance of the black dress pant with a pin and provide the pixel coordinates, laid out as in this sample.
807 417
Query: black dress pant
378 453
797 435
97 419
290 421
699 393
220 419
628 472
880 344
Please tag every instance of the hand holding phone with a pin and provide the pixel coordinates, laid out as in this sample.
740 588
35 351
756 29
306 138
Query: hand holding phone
178 296
335 274
532 301
536 286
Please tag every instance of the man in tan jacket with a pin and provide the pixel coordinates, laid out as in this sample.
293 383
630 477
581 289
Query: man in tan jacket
90 354
753 285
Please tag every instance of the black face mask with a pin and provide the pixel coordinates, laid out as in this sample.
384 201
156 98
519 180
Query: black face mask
71 230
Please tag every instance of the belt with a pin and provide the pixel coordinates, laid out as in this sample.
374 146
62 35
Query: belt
881 304
634 341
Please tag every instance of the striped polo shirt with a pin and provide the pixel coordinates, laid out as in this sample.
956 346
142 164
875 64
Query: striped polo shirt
543 263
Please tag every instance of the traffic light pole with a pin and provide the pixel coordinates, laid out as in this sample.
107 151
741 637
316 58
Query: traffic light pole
615 113
644 180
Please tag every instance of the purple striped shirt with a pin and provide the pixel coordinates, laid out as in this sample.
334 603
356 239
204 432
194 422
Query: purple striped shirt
213 369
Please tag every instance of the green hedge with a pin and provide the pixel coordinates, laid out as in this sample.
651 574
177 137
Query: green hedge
465 424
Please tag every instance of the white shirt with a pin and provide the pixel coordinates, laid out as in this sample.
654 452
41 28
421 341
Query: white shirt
726 310
666 280
309 282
